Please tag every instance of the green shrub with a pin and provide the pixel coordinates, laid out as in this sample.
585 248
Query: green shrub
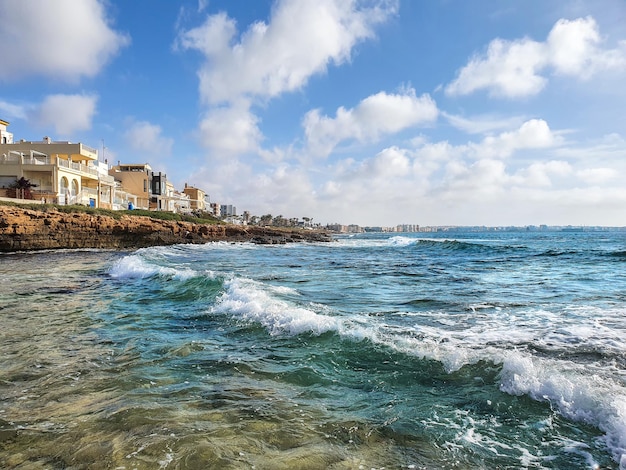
73 209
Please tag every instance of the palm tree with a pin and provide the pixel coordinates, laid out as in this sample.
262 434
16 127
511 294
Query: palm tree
265 219
22 188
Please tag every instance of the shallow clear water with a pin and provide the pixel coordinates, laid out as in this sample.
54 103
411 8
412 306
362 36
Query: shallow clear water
457 350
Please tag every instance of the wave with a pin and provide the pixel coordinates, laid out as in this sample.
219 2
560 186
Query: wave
245 299
574 394
477 246
402 241
533 358
567 386
135 267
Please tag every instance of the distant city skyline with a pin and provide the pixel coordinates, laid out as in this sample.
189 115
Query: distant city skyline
375 113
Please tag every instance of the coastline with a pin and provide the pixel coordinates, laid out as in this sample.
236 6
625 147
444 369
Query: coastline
48 229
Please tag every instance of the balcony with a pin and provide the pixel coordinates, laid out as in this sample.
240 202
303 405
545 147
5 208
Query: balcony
41 159
77 167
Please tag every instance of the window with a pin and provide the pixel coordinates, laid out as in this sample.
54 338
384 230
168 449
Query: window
64 185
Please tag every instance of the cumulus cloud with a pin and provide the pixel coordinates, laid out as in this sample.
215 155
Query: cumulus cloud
390 163
147 139
518 68
509 69
65 39
438 183
260 191
480 180
533 134
230 130
66 114
539 174
376 115
301 39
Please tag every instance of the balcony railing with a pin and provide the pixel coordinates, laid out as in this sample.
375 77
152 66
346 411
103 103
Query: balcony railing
106 179
77 166
13 158
86 148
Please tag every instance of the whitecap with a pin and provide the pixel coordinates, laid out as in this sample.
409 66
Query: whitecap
136 267
401 241
576 395
249 300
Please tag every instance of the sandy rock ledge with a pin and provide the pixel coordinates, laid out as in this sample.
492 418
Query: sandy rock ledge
24 229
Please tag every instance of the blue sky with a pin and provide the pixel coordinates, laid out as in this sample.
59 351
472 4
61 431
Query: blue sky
376 112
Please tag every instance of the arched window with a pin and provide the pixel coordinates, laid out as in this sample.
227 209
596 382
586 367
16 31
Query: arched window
64 185
75 188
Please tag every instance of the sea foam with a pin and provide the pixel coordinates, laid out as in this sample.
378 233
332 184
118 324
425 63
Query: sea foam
246 299
577 396
135 267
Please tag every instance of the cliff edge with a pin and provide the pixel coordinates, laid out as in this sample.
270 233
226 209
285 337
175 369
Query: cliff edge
26 229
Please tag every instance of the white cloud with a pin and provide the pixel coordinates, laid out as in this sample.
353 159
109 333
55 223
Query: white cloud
436 183
481 180
376 115
539 174
573 48
230 130
517 68
260 191
66 114
301 39
65 39
610 148
594 176
13 111
509 69
483 123
391 163
147 139
533 134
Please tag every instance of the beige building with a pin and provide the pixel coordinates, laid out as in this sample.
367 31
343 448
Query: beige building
134 179
68 173
196 198
62 172
151 190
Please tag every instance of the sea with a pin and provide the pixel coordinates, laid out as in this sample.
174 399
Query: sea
446 350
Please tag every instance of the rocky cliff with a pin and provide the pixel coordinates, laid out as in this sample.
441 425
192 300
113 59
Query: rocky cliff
25 229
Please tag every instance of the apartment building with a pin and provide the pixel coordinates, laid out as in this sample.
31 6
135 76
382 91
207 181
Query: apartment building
175 201
60 172
135 179
197 198
70 173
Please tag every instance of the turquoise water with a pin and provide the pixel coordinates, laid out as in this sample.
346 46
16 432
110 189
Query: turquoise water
456 350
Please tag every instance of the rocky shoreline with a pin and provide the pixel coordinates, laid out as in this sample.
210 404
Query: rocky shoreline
26 230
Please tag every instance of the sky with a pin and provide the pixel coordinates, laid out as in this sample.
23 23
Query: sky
373 112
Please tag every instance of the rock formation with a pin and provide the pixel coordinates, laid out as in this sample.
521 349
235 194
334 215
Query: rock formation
25 229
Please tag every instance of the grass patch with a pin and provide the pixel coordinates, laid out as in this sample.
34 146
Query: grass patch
78 209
